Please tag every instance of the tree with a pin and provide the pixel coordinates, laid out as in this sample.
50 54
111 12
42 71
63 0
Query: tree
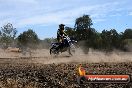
8 35
115 38
88 36
70 32
126 39
106 40
95 41
83 27
111 39
127 34
83 22
28 39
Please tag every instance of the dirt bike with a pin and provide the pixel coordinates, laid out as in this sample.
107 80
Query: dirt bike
67 45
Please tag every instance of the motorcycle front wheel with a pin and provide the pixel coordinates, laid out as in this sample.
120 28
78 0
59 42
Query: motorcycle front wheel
72 50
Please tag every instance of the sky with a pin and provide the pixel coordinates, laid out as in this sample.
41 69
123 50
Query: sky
44 16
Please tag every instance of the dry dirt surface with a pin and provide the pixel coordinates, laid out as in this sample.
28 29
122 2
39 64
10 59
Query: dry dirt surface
43 71
43 57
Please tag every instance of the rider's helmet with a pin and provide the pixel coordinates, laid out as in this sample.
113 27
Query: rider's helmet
61 26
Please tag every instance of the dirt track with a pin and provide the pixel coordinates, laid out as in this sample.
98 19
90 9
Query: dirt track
43 71
43 57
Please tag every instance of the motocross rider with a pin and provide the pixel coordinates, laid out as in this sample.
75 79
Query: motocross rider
60 34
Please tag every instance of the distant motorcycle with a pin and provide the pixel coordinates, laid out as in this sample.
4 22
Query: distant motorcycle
67 45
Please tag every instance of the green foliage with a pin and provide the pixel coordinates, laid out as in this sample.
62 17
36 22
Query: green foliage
83 27
70 31
95 41
127 34
83 22
110 39
7 35
28 39
107 40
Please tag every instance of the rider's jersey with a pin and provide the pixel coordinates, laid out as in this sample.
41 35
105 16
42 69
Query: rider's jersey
60 33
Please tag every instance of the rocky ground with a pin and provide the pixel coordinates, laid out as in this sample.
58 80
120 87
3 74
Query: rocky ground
58 75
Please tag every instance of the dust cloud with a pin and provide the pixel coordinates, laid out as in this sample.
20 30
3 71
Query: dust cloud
42 56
